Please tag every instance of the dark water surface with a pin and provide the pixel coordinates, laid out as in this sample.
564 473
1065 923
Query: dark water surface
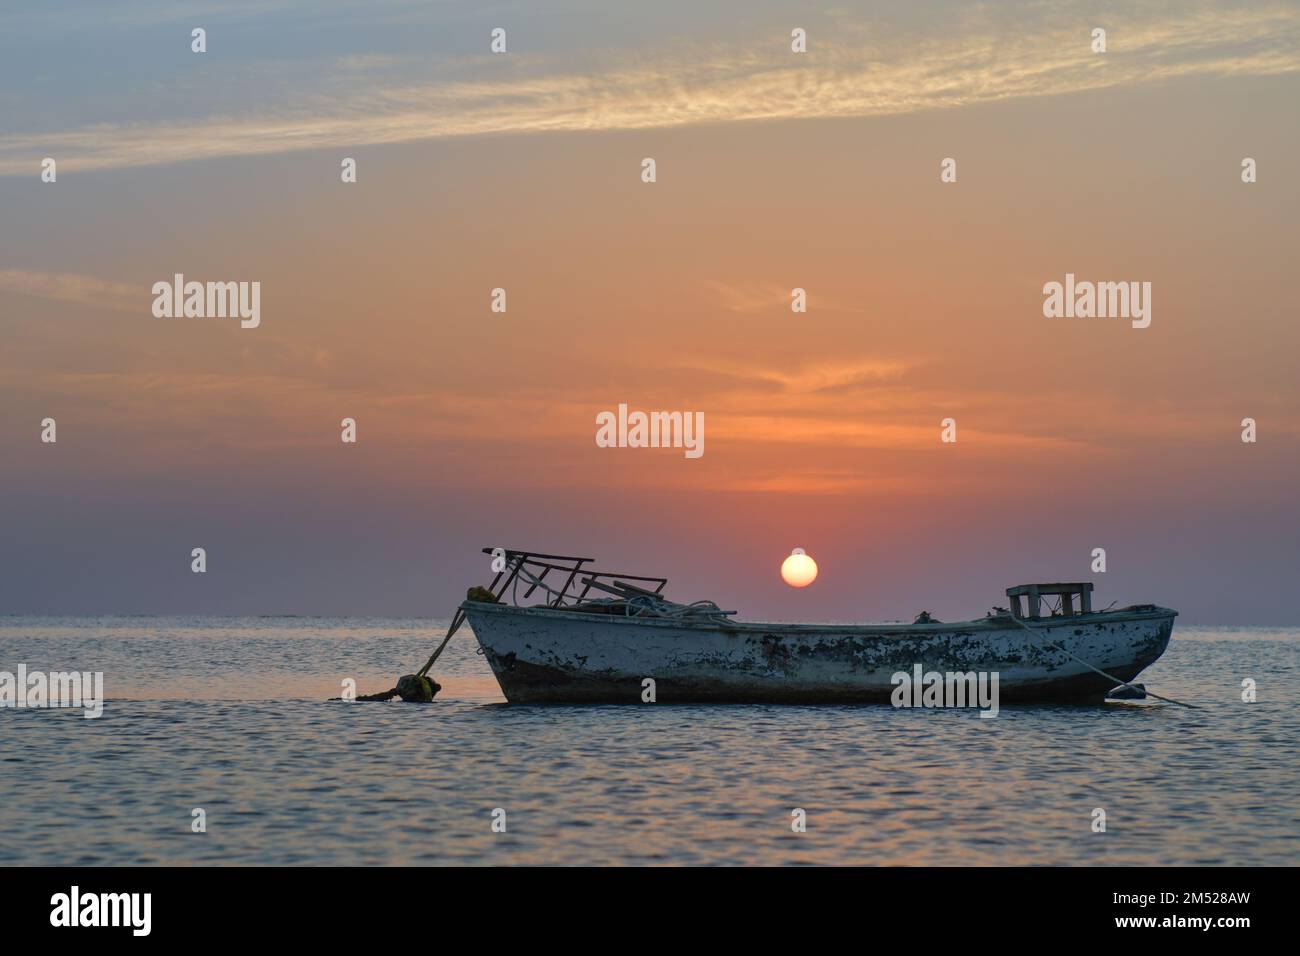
229 715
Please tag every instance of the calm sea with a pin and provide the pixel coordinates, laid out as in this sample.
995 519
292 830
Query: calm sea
230 715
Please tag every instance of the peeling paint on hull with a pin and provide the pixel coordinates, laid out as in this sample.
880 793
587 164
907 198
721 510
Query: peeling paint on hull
540 655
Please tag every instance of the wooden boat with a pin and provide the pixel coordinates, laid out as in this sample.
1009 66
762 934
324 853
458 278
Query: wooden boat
574 647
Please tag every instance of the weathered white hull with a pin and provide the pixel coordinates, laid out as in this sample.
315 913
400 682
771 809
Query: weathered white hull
541 655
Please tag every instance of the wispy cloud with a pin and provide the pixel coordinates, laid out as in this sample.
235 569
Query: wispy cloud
73 287
746 298
133 14
853 73
808 379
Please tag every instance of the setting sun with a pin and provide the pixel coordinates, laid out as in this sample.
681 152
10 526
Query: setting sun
799 570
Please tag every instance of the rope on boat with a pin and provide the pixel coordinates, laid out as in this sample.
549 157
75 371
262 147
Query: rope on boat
644 604
1141 690
433 657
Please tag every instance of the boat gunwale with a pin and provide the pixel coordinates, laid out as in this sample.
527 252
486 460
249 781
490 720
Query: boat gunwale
998 623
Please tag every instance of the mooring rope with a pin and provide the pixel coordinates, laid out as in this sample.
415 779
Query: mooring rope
1141 690
434 656
456 623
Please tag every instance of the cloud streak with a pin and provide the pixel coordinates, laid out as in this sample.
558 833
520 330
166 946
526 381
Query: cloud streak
73 287
853 74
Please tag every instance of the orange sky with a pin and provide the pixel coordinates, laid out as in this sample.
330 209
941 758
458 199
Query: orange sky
822 429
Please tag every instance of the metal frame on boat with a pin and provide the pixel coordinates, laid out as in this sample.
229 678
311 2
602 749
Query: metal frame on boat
535 567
